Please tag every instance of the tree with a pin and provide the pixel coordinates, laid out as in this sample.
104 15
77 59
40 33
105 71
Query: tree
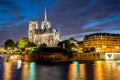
23 43
64 44
67 44
60 44
31 44
9 44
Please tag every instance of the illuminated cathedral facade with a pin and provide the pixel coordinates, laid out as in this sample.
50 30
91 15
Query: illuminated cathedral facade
44 35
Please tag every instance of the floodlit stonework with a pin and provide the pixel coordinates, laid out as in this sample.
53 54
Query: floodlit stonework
45 35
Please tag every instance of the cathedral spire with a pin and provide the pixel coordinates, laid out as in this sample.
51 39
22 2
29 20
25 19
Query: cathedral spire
45 24
45 16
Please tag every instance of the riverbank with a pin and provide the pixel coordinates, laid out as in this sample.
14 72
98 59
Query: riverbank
59 57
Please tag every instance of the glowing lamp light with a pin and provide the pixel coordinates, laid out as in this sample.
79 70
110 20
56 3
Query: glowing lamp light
32 49
117 47
75 49
104 46
72 48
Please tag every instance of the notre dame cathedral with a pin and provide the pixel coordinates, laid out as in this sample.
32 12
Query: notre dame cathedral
46 34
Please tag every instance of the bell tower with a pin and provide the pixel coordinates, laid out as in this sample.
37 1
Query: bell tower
32 26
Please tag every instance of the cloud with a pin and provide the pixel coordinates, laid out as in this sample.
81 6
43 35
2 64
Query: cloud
12 23
108 19
72 17
14 33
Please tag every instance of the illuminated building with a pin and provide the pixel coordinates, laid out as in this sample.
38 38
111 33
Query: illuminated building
102 42
45 35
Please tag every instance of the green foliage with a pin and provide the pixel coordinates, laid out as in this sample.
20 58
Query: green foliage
23 42
9 44
67 44
60 44
31 44
16 49
41 47
64 44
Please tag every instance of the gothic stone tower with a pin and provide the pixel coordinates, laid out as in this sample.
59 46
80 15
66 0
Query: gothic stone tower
45 35
33 25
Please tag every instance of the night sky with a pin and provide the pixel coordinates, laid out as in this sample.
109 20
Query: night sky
74 18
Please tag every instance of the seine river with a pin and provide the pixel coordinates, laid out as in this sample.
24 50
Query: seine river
97 70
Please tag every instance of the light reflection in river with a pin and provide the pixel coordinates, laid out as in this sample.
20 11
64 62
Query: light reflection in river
71 73
7 71
96 70
82 71
76 71
25 71
32 72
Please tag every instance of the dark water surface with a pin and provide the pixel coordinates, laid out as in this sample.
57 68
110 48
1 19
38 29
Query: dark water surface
97 70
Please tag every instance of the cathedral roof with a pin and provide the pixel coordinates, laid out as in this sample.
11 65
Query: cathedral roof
42 31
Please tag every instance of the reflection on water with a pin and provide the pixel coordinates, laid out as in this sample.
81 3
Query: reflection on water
74 71
82 71
52 72
32 68
19 64
1 68
25 71
98 70
7 71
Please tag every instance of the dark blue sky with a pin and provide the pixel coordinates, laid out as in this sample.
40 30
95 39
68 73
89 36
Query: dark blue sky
74 18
